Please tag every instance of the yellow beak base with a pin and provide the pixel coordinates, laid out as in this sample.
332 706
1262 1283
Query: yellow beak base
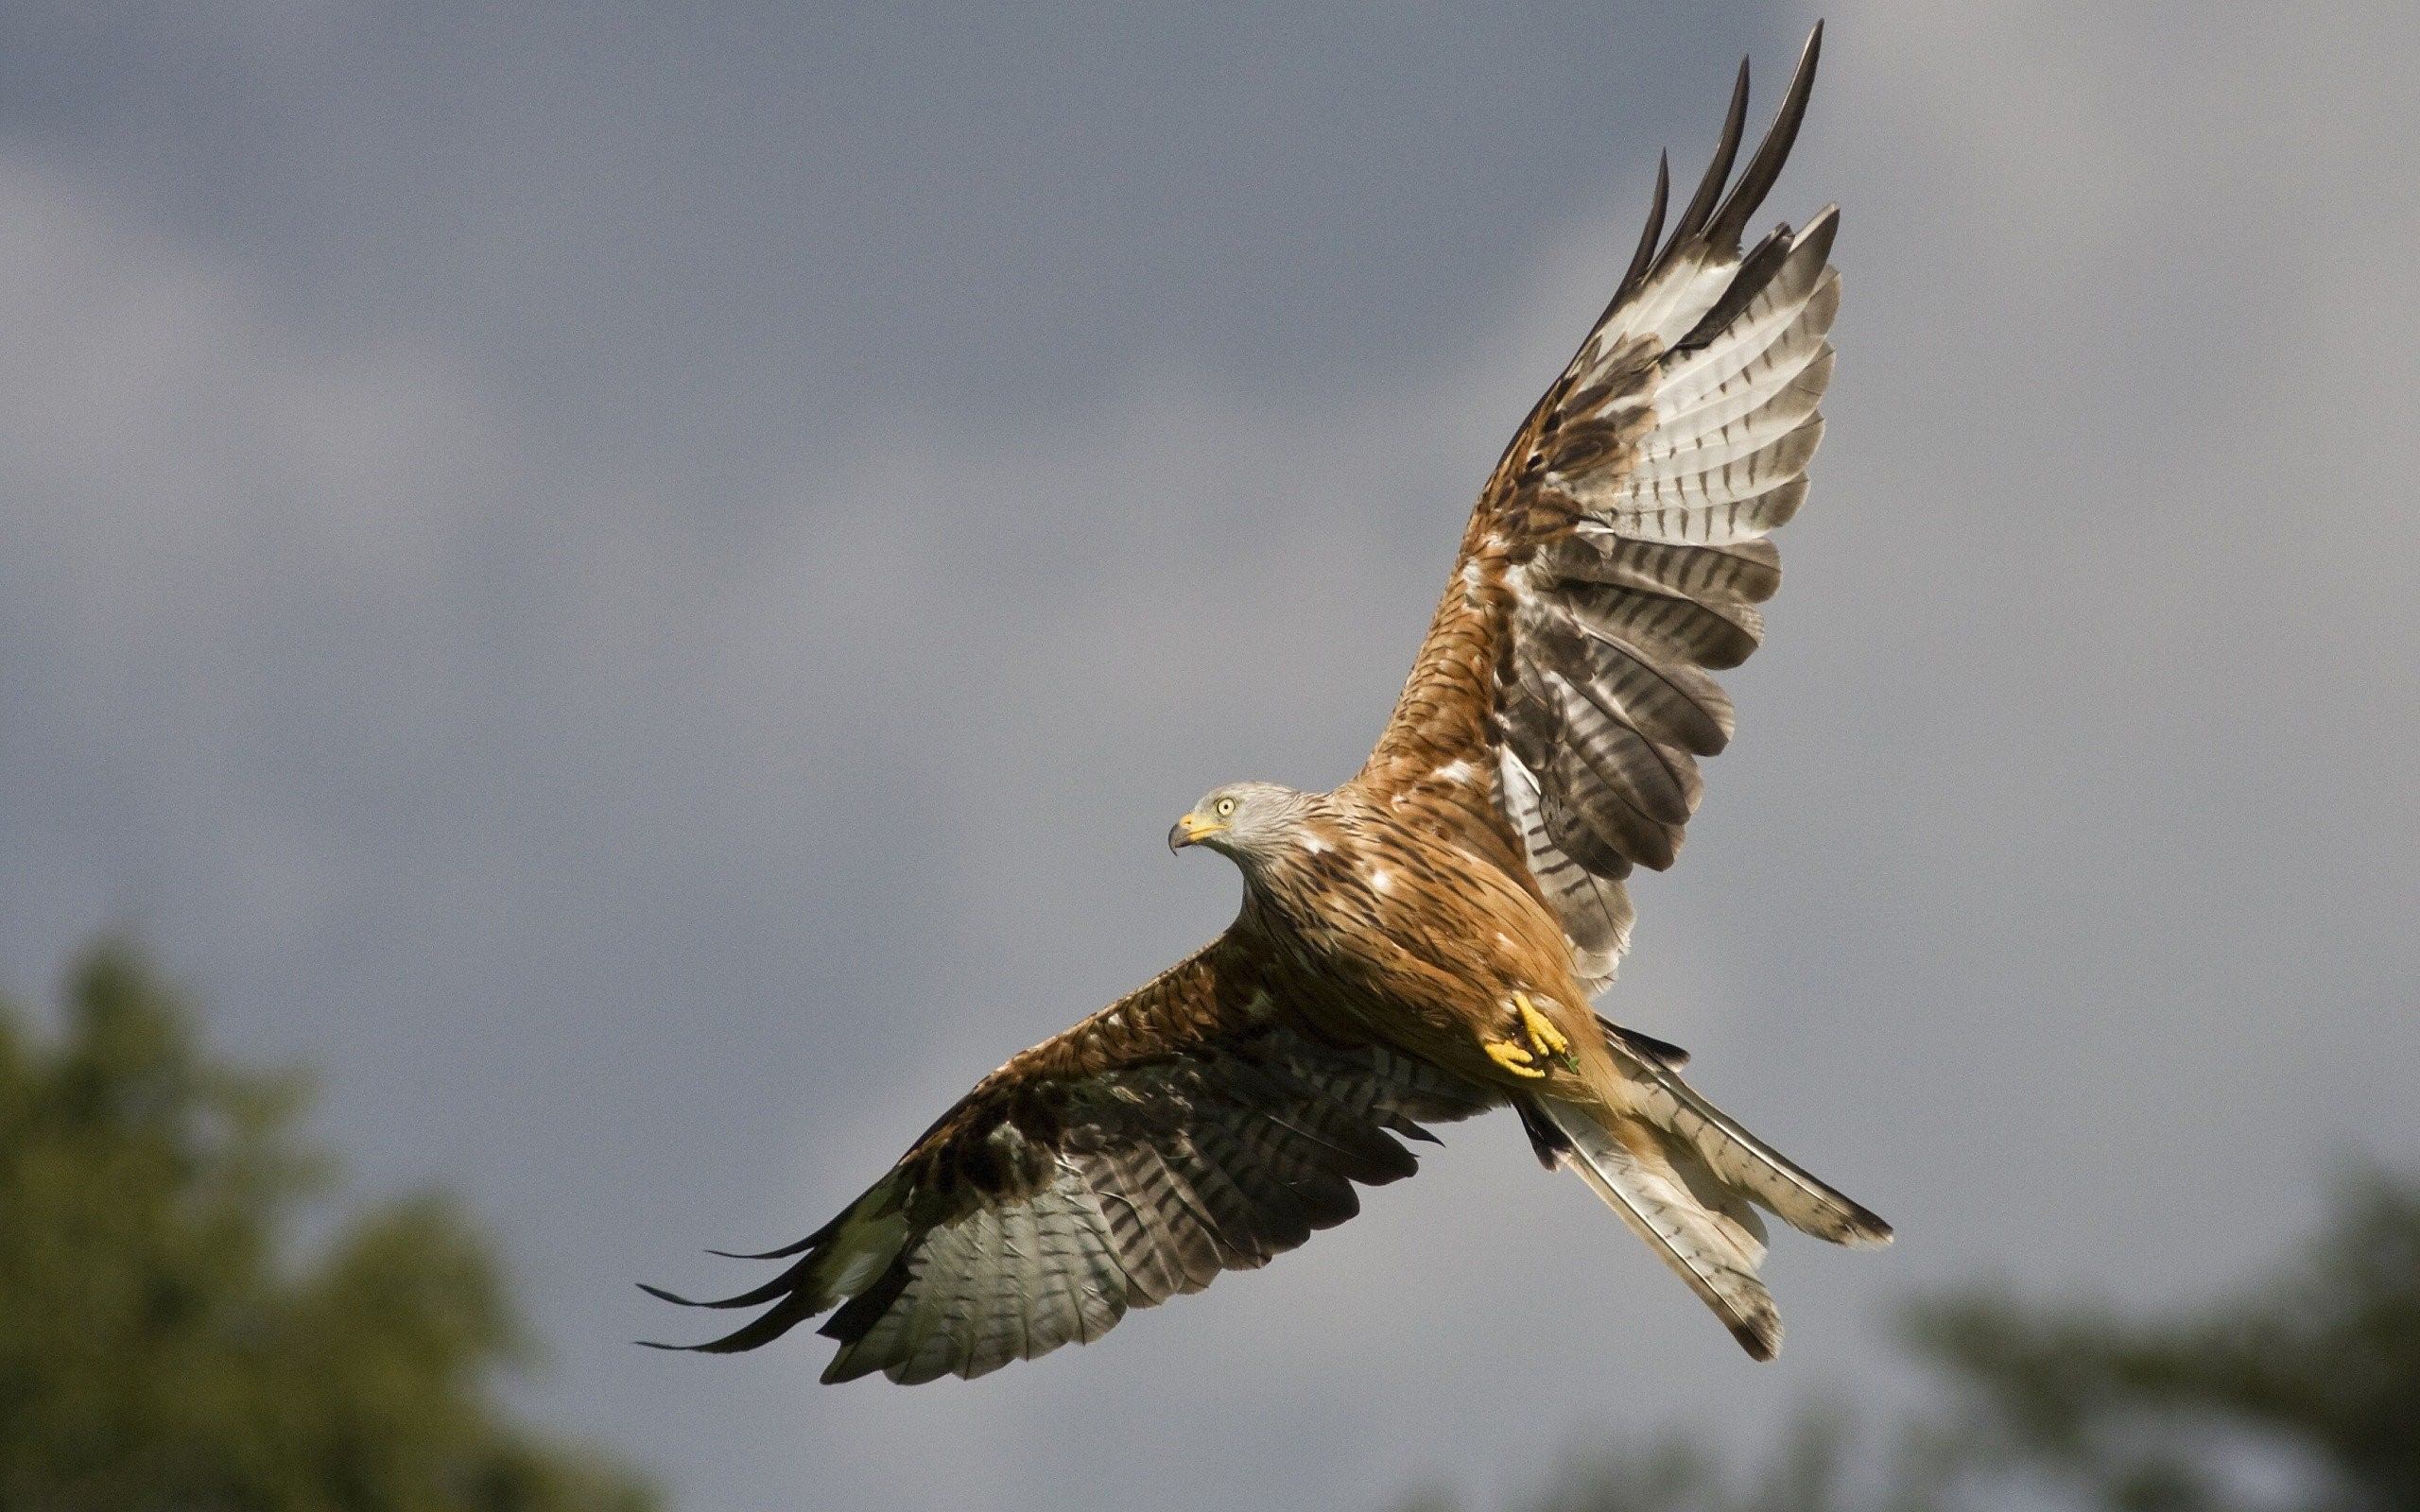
1192 829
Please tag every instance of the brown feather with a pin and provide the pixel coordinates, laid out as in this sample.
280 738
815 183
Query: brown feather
1617 552
1199 1124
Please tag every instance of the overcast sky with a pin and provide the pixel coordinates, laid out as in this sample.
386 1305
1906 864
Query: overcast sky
643 591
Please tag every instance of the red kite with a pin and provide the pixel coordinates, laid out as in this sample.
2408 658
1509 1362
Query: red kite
1424 942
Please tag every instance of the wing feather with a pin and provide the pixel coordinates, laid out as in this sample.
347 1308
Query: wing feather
1617 553
1196 1125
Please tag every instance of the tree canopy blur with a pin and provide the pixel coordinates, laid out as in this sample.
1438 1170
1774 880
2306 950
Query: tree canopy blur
169 1343
2301 1392
166 1342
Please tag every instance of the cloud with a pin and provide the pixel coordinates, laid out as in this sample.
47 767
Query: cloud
651 841
593 840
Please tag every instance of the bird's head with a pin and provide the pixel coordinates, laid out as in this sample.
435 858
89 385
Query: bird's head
1244 821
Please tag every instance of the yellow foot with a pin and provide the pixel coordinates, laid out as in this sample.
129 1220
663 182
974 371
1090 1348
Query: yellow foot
1544 1036
1511 1057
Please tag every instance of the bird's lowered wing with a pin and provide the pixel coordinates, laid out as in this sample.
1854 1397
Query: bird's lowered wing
1618 552
1194 1127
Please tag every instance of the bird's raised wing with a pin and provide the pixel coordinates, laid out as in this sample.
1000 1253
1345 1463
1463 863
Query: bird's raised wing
1198 1124
1618 551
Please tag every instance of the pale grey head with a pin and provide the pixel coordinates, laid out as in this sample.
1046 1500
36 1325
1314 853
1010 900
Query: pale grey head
1246 821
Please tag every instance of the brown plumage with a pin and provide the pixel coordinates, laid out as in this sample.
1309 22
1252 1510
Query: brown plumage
1423 943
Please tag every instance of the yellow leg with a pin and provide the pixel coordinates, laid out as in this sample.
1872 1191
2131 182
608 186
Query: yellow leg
1543 1036
1511 1057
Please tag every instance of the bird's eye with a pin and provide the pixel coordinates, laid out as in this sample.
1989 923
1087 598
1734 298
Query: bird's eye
1226 806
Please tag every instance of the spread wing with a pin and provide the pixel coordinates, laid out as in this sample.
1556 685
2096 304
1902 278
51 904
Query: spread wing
1618 553
1194 1127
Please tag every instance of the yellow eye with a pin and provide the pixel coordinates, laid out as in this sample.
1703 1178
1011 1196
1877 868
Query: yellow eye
1226 806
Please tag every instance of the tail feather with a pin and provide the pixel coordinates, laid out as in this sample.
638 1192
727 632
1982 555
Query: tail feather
1738 1159
1711 1250
1731 1208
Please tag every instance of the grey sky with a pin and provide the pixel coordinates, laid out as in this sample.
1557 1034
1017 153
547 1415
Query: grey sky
643 593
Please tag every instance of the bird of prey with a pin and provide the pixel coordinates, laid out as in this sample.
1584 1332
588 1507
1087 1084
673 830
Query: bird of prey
1424 942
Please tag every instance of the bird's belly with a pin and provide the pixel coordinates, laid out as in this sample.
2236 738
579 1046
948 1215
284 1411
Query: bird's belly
1425 943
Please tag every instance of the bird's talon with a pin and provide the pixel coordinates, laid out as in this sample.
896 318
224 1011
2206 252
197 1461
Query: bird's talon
1543 1036
1511 1057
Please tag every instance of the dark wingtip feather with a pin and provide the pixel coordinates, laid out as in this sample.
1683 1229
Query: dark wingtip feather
763 1329
1643 258
1754 272
1756 179
674 1298
1717 172
798 1247
779 1286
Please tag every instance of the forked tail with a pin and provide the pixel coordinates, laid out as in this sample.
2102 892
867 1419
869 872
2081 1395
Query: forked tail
1738 1159
1683 1175
1717 1252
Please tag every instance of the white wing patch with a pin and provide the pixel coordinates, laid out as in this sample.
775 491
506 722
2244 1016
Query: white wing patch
1675 442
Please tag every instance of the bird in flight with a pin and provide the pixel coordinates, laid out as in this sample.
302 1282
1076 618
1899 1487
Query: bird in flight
1424 942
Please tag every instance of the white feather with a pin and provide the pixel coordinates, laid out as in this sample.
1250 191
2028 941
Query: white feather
1697 1244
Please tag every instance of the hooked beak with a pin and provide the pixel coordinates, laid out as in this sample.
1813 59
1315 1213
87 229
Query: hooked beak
1191 831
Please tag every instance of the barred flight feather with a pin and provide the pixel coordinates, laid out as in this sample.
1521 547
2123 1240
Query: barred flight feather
1711 632
1179 1132
1748 572
1614 558
1593 906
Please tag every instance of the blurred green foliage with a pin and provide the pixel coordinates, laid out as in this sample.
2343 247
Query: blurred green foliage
167 1345
163 1342
2301 1392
